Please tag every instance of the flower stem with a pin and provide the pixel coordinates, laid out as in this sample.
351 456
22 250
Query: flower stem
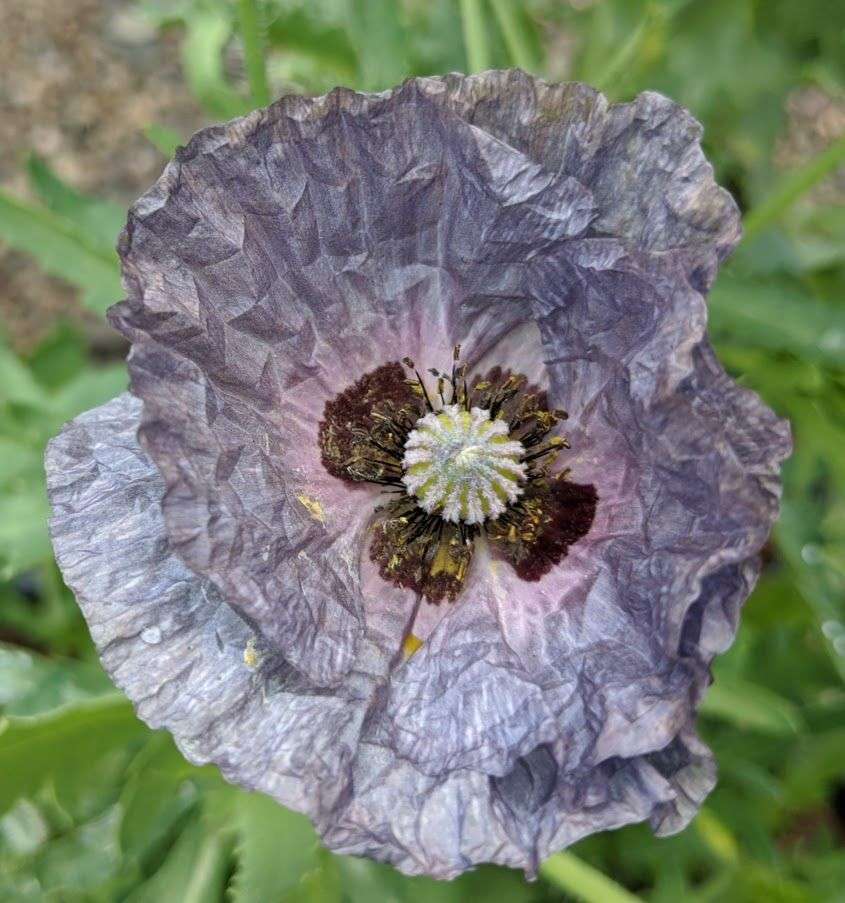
792 187
475 36
256 68
574 876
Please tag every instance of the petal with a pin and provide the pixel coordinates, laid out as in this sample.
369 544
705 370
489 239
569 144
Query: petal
186 660
642 161
275 262
518 664
593 653
442 825
284 255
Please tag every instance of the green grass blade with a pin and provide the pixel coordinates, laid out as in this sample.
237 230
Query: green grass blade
751 707
513 31
582 881
475 36
792 187
252 36
208 31
626 56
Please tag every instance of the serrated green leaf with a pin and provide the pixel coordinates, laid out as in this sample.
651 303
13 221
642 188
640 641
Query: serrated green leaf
275 849
63 250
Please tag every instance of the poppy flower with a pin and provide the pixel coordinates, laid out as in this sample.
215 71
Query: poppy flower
431 504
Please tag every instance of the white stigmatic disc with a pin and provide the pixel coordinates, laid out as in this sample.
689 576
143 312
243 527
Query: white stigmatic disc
463 465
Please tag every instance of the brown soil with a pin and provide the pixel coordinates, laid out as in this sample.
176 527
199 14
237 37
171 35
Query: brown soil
79 81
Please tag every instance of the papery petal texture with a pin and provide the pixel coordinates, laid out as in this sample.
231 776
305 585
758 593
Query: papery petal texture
224 571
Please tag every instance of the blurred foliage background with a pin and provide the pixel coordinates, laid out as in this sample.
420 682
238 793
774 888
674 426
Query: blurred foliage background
94 95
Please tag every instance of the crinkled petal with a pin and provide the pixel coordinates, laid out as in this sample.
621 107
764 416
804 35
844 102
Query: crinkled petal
441 825
274 263
642 161
686 464
186 659
279 259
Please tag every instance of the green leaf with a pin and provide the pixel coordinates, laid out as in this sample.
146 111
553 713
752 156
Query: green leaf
62 745
299 30
23 530
31 684
30 415
157 796
91 388
779 316
792 186
364 881
377 33
816 767
275 850
82 859
208 32
17 383
571 874
60 357
63 250
100 221
750 706
23 829
165 139
194 871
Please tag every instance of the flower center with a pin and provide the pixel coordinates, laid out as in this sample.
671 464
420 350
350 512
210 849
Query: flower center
460 459
463 465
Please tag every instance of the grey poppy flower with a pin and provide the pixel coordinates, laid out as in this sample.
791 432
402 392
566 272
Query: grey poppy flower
431 504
